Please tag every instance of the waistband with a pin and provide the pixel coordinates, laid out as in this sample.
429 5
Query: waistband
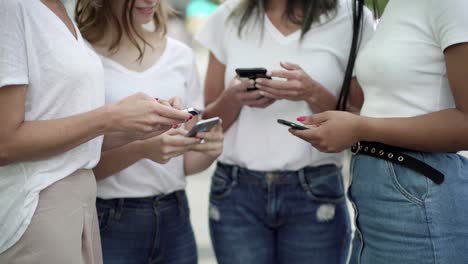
242 174
158 201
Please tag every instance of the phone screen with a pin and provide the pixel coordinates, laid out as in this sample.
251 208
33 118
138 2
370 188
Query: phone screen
203 126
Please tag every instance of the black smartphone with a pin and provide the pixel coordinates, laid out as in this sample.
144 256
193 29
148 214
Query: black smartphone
292 125
192 111
252 74
203 126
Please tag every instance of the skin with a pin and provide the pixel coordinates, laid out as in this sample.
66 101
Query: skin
159 148
297 86
446 130
22 140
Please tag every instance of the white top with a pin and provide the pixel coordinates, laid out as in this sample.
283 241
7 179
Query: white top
256 141
402 69
64 78
174 74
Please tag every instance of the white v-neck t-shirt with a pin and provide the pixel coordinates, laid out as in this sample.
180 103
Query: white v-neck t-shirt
64 77
173 75
402 69
255 140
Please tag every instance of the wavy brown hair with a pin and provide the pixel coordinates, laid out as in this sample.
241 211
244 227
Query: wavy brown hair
95 16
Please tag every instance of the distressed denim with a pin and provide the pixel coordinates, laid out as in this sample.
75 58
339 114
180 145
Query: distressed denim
293 217
403 217
147 230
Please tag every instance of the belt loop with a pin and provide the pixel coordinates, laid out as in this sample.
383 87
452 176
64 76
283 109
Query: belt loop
119 208
302 179
235 175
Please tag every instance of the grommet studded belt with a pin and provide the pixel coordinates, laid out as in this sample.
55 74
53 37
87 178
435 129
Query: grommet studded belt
396 155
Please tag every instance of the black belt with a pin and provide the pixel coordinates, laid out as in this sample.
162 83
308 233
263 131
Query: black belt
396 155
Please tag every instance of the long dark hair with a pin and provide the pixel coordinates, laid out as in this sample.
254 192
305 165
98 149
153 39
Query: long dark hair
313 9
358 18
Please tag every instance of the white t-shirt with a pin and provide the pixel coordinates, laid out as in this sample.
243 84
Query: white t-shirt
174 74
402 69
255 140
64 78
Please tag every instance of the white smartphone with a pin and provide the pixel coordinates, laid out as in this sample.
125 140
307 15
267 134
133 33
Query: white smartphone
203 126
192 111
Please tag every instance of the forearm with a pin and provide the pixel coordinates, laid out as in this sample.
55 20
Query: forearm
195 162
118 159
321 101
226 107
36 140
443 131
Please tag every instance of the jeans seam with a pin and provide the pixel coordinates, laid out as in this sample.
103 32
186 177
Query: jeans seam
409 197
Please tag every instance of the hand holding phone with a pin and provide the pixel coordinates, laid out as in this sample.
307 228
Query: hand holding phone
292 124
252 74
203 126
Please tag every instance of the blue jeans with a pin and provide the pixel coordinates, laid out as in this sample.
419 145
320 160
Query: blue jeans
147 230
279 217
403 217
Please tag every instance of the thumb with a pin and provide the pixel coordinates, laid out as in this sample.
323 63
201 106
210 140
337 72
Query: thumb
313 120
290 66
175 132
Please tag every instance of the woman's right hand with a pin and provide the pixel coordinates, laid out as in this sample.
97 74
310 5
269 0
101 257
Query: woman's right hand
140 113
164 147
255 98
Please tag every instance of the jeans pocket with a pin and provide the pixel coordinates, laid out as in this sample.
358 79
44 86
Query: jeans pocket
411 184
221 184
324 185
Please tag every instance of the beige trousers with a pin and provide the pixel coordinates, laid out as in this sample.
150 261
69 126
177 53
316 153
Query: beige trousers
64 228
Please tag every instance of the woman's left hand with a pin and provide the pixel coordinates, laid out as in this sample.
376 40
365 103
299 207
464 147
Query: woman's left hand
331 131
212 142
298 85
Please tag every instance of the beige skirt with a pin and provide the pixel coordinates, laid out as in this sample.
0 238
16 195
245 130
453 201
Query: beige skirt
64 228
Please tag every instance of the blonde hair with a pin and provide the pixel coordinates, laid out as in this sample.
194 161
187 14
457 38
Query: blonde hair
94 16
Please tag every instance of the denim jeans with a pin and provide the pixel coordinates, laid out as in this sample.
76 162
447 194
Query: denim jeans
293 217
403 217
147 230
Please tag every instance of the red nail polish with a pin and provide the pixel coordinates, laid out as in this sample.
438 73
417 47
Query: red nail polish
157 99
190 118
175 126
301 119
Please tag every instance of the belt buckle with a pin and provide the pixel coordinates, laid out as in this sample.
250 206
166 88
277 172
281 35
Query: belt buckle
356 148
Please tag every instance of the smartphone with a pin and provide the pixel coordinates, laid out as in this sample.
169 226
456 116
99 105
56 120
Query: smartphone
192 111
252 74
203 126
292 125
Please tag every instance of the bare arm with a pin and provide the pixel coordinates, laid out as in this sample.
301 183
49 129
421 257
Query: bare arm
443 131
218 101
22 140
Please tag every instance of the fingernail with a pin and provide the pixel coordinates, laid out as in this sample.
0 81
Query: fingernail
175 126
302 118
259 81
190 118
157 99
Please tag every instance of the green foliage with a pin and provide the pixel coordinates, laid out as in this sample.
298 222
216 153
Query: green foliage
380 5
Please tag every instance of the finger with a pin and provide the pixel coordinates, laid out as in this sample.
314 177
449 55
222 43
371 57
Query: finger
270 95
290 66
315 119
282 93
181 141
171 113
249 96
308 135
163 102
175 132
277 84
176 102
289 75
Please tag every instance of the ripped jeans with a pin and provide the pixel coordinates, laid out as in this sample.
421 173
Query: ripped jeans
279 217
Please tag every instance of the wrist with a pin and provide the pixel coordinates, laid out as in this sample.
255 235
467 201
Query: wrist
363 128
229 98
107 118
139 148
